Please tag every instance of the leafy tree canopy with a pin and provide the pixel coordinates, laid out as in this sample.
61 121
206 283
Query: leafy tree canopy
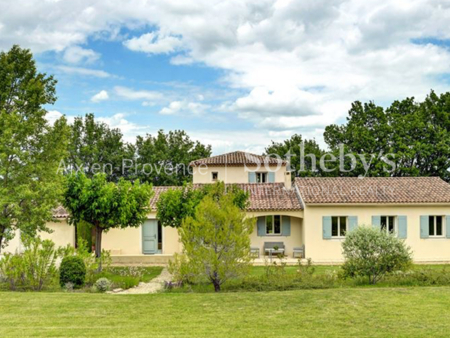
30 149
94 148
105 204
416 133
164 159
176 204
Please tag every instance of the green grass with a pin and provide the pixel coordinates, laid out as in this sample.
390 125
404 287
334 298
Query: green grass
375 312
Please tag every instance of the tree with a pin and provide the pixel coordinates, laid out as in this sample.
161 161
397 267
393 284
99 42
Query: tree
216 240
106 205
372 253
416 133
176 204
30 149
94 148
164 159
297 150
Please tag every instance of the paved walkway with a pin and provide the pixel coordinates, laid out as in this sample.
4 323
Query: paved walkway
155 285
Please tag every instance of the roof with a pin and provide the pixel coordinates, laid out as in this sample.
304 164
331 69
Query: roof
60 212
237 158
384 190
263 196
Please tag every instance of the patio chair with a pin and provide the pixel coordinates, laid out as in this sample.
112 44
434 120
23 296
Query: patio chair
299 252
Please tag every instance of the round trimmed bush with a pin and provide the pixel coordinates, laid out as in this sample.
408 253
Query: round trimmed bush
72 270
102 284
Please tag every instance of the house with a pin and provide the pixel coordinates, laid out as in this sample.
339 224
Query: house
310 216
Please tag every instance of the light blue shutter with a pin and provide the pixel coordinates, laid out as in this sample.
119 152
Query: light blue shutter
251 177
447 226
326 224
402 227
261 224
376 222
352 223
286 226
271 176
424 229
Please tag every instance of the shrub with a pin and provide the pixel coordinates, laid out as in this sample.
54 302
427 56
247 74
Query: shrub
72 270
33 269
216 241
102 284
371 253
90 262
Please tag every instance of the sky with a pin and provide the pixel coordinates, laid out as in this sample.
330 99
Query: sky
235 74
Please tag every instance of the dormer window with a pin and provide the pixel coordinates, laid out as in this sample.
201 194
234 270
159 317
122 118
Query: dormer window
215 176
261 178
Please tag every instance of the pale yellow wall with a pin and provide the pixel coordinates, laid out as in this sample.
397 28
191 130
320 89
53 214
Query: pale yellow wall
14 245
62 235
128 241
290 242
330 251
232 174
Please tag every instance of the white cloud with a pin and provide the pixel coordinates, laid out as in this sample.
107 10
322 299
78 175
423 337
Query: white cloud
129 129
154 43
299 64
131 94
177 107
83 71
52 116
100 96
76 54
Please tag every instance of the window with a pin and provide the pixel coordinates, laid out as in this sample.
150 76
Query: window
273 225
215 176
435 226
338 226
261 178
388 223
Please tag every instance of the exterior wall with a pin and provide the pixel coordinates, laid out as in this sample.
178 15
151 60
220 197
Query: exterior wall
232 174
290 242
330 250
62 235
128 241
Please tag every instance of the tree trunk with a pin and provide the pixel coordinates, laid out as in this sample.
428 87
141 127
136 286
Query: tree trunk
216 282
98 246
216 286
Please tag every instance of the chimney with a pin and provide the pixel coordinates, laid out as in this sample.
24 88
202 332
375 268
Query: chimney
287 180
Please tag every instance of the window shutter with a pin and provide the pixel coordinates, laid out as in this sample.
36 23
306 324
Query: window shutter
251 177
447 226
326 224
286 226
376 222
261 224
352 223
271 176
402 227
424 230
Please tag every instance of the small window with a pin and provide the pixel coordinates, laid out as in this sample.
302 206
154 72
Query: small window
388 224
338 226
215 176
261 178
273 225
435 226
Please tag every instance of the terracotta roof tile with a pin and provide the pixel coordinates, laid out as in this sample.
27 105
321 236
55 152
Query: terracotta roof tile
263 196
324 190
237 158
60 212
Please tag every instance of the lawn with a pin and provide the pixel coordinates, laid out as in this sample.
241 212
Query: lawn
362 312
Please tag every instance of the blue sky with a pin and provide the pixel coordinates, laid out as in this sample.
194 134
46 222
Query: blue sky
235 74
